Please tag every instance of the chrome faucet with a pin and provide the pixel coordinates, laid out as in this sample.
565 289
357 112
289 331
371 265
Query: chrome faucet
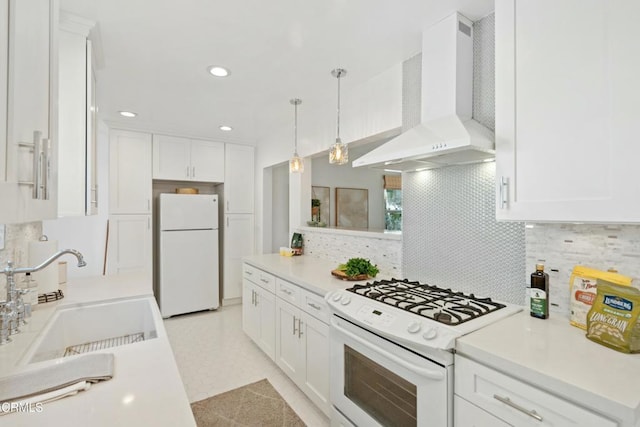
13 310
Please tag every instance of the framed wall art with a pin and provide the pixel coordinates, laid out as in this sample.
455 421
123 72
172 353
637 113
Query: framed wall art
352 207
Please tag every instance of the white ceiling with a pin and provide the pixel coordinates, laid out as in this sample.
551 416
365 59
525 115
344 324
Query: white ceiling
155 55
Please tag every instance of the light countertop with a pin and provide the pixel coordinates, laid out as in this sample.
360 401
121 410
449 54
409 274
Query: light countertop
556 356
313 274
146 388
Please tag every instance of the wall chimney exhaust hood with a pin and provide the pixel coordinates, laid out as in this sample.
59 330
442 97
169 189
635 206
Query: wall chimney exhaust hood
447 135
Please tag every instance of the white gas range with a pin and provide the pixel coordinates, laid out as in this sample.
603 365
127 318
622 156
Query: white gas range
392 350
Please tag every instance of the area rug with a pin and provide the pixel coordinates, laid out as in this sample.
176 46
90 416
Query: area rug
256 404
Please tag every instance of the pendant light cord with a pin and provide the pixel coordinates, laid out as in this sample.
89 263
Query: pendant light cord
295 128
338 121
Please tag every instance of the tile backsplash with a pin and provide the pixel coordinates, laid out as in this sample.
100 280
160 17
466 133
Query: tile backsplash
562 246
16 246
338 248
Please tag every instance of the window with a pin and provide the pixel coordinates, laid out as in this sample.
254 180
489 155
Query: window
393 202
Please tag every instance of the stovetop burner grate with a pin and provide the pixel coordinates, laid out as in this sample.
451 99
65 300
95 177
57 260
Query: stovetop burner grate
442 305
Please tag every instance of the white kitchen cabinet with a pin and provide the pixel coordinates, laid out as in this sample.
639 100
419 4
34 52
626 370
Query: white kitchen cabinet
302 345
466 414
239 178
77 121
28 115
513 401
289 346
183 159
300 323
258 316
129 244
566 110
237 232
129 172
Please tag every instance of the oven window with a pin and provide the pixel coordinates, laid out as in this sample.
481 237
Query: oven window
385 396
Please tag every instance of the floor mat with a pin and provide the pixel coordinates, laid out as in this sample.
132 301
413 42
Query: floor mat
256 404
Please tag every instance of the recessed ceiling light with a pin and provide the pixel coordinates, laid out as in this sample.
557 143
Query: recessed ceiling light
218 71
226 128
129 114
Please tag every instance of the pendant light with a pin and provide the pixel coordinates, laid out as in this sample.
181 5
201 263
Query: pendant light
296 164
339 153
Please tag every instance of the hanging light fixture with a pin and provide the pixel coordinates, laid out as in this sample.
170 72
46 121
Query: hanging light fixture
339 153
296 164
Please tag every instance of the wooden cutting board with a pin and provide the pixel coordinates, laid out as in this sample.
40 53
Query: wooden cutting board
343 276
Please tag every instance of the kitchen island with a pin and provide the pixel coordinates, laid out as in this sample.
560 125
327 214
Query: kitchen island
556 359
146 388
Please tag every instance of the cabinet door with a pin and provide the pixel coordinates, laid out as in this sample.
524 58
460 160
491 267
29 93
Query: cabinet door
566 110
466 414
171 158
4 76
129 246
238 242
266 304
239 182
250 314
129 172
30 105
315 383
289 346
207 161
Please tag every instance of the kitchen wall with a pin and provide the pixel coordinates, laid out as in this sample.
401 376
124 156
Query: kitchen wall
324 174
338 246
562 246
451 237
16 247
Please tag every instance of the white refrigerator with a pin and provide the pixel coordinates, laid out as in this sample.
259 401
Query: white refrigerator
188 264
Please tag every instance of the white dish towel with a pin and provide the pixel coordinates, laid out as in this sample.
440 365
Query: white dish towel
65 378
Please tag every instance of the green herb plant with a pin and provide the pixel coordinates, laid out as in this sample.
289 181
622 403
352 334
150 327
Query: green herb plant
356 266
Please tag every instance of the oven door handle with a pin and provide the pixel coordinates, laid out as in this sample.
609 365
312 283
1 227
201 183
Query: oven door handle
427 373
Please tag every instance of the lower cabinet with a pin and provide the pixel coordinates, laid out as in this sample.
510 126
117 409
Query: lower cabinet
129 245
466 414
302 351
486 397
258 316
291 325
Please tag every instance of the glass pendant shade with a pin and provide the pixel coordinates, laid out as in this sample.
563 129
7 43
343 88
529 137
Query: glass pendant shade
296 164
339 153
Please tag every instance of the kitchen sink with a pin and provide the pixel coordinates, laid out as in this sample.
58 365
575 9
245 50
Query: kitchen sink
96 326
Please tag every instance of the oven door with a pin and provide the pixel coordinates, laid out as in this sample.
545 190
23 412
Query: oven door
377 383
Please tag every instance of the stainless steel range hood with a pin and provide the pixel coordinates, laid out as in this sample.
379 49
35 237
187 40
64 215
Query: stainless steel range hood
447 135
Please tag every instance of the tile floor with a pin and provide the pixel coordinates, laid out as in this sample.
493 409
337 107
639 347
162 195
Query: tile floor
214 355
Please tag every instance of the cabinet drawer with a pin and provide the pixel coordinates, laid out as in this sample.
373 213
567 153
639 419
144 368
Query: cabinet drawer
517 402
288 291
263 279
315 305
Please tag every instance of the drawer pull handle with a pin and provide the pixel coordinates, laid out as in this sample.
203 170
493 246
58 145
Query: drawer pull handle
248 273
286 291
316 306
507 401
264 280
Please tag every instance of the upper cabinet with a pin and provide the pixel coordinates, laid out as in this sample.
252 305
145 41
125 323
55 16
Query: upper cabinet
183 159
77 122
238 182
566 110
129 172
28 111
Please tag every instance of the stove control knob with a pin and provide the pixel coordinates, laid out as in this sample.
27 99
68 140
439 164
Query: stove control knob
337 296
346 299
414 327
430 334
